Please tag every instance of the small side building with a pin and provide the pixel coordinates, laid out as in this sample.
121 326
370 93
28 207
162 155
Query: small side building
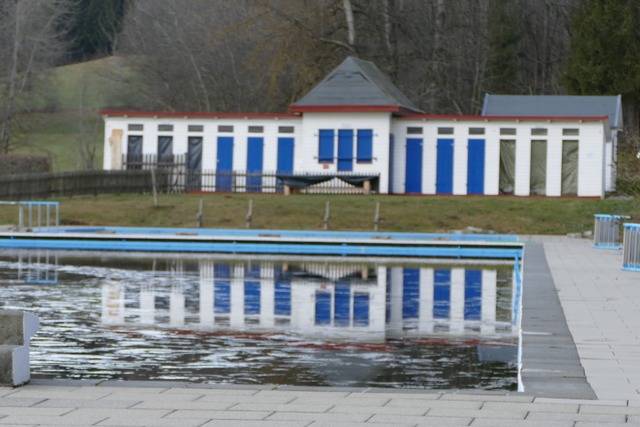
558 106
356 121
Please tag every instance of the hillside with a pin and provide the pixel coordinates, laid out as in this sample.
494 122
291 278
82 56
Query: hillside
67 126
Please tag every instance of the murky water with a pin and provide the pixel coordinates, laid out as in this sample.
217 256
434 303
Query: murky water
261 320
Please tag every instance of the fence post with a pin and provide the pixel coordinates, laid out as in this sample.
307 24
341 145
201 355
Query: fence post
154 189
249 217
376 218
20 216
327 216
199 217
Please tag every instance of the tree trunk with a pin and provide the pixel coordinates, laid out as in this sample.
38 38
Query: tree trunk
7 113
390 41
351 28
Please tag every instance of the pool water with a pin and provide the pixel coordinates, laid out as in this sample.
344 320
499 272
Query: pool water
268 320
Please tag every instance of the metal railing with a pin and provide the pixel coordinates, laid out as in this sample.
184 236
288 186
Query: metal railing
607 231
43 219
631 247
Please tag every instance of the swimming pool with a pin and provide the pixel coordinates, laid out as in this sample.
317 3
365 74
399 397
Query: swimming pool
338 321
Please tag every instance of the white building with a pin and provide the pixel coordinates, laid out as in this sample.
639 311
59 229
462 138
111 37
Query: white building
357 125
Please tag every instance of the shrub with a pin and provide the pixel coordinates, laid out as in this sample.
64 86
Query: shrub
16 164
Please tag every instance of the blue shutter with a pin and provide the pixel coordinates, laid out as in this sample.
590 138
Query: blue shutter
365 146
345 150
325 148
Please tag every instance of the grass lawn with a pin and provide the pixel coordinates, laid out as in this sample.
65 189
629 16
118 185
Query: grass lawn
507 215
81 91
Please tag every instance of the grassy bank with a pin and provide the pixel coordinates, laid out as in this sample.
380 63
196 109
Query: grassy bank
510 215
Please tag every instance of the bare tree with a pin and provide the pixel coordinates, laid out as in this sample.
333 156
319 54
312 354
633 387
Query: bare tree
261 55
30 42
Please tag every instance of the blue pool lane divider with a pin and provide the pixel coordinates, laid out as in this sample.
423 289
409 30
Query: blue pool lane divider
269 242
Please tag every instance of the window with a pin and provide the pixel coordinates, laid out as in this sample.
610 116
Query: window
196 128
365 146
539 131
135 127
414 131
165 128
285 129
225 129
570 132
256 129
445 131
476 131
325 146
507 131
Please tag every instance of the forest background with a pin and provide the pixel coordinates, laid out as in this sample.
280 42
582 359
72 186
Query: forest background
61 61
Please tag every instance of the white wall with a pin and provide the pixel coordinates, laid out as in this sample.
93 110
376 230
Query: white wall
210 136
594 154
306 159
591 138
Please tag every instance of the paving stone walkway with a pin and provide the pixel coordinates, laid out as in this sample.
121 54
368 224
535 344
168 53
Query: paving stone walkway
600 303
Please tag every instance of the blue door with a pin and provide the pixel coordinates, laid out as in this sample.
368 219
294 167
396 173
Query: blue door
285 159
345 150
413 173
255 151
475 167
224 170
444 172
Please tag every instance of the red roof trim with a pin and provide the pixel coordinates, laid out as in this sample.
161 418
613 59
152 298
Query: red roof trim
344 108
505 118
118 113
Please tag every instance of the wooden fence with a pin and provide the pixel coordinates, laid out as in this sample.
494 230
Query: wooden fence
46 185
167 178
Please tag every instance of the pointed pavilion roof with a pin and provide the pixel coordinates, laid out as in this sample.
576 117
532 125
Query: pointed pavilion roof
355 85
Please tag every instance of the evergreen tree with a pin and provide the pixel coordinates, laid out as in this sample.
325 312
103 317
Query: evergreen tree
605 52
504 38
94 27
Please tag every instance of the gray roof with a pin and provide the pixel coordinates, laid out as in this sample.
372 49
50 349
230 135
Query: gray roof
356 83
555 106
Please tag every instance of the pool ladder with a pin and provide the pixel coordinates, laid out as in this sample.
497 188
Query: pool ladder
42 210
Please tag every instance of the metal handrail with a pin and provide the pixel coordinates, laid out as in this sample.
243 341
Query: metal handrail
38 205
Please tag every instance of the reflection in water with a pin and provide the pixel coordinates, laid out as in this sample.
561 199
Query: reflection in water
272 321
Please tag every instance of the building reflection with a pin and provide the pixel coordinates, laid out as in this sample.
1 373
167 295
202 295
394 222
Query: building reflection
364 301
